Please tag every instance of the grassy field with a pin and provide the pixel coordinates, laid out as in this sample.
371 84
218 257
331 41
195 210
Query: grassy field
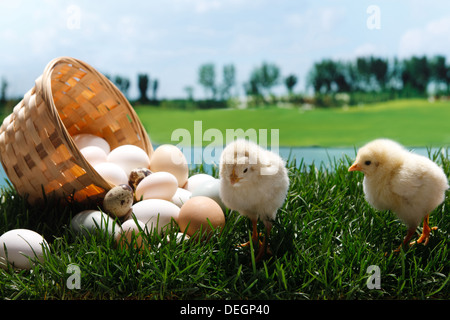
411 122
324 239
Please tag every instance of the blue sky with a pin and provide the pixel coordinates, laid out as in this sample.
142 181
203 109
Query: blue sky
170 39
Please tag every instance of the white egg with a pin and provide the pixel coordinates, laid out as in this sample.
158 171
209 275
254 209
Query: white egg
181 196
132 225
158 185
155 213
179 237
22 247
86 139
196 180
87 221
210 189
112 173
129 157
94 155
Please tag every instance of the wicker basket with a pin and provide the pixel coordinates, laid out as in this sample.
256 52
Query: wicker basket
37 150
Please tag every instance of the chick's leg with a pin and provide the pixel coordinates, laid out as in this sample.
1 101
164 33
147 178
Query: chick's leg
264 248
408 237
425 236
255 236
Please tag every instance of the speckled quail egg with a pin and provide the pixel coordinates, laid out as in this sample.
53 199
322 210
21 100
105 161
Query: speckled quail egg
119 200
136 176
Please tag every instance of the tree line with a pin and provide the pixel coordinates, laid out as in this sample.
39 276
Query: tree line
366 77
329 82
336 82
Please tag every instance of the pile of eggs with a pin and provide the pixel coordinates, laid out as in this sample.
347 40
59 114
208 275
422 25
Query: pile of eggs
149 193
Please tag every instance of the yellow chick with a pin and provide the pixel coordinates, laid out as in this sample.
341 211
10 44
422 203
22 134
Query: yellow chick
410 185
254 182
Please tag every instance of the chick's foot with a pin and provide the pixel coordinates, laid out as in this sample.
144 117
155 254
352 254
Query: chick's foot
256 243
425 236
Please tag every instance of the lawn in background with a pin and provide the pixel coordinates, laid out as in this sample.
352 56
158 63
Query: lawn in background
410 122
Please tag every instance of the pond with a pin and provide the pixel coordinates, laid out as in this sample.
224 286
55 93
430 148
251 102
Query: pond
310 155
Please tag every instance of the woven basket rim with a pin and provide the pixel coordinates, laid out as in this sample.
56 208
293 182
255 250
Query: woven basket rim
43 88
48 97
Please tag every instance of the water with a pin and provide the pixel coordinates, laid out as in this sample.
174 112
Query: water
210 157
308 155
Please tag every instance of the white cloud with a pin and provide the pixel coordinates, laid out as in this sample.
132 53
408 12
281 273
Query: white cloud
321 19
207 6
330 17
433 38
203 6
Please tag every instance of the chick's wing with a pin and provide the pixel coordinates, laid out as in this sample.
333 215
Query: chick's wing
410 179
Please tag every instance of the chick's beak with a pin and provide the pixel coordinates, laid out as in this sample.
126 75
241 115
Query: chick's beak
355 167
233 177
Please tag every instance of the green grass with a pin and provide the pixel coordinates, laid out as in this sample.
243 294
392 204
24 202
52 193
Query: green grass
410 122
324 239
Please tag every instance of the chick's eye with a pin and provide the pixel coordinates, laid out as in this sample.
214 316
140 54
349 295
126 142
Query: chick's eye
245 170
368 162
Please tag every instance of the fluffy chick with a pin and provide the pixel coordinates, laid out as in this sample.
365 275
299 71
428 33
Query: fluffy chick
408 184
254 182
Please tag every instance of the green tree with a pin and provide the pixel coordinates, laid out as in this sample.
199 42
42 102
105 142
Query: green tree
268 75
252 91
155 85
190 92
372 73
207 78
328 77
143 81
229 81
440 72
363 73
3 88
262 80
416 75
394 82
290 81
321 76
123 84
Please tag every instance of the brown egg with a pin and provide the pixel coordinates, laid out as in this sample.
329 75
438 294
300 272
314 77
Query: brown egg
196 212
131 234
170 159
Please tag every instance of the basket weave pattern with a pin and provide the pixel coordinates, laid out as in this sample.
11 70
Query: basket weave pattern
37 150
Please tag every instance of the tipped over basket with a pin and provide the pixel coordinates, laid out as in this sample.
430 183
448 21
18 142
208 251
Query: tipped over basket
38 153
